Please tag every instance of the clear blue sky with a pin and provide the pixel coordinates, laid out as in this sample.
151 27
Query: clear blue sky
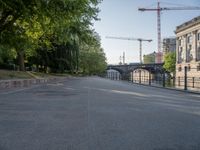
122 18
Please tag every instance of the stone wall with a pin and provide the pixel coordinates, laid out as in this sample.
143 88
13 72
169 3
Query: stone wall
19 83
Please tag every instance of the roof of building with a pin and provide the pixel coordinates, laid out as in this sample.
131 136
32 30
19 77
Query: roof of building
188 24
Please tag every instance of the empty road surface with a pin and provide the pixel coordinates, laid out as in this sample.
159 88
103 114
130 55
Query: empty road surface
92 113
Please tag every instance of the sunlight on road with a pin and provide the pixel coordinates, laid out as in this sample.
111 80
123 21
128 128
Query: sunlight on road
119 92
55 84
129 93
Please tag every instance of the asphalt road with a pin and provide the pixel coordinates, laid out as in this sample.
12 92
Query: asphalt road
98 114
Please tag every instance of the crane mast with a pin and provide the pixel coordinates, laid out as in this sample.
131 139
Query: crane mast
132 39
159 54
159 9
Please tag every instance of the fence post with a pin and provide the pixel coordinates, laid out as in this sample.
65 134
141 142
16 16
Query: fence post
179 81
132 76
185 78
163 79
149 78
140 76
193 82
174 80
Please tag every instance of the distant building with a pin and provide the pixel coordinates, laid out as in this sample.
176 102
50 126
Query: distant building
149 58
158 57
188 49
169 45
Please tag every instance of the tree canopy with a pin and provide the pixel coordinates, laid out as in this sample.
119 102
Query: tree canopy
55 35
170 62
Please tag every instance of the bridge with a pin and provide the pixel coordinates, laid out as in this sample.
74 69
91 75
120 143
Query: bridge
126 70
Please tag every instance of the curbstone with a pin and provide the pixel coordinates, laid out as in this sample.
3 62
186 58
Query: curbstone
19 83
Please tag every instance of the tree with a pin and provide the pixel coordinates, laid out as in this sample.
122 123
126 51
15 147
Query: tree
170 62
92 57
50 33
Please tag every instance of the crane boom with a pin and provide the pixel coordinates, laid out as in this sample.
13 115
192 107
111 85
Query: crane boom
169 8
132 39
180 8
158 10
127 38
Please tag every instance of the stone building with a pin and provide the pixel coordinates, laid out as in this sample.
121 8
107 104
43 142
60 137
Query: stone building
188 51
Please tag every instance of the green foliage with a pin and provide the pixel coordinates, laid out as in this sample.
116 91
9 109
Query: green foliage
92 58
93 62
6 55
51 34
170 62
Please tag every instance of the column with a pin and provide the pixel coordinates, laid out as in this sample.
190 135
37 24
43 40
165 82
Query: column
194 45
185 49
177 50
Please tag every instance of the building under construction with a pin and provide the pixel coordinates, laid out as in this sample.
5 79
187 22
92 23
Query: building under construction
168 45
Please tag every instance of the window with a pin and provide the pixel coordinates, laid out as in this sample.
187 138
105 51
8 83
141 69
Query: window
179 42
179 68
198 53
189 39
198 36
189 56
180 55
198 67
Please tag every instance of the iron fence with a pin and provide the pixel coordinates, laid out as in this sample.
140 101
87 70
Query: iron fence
186 79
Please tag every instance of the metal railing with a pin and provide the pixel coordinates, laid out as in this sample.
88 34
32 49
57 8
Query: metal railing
186 79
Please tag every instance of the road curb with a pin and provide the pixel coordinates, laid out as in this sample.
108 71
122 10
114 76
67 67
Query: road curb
20 83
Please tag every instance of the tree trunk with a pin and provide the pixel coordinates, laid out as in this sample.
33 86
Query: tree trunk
21 60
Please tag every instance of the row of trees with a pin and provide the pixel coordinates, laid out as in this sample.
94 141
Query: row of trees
53 35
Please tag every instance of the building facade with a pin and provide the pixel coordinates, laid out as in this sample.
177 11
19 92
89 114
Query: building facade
149 58
159 57
169 45
188 50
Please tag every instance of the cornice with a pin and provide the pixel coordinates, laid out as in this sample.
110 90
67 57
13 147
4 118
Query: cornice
195 21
